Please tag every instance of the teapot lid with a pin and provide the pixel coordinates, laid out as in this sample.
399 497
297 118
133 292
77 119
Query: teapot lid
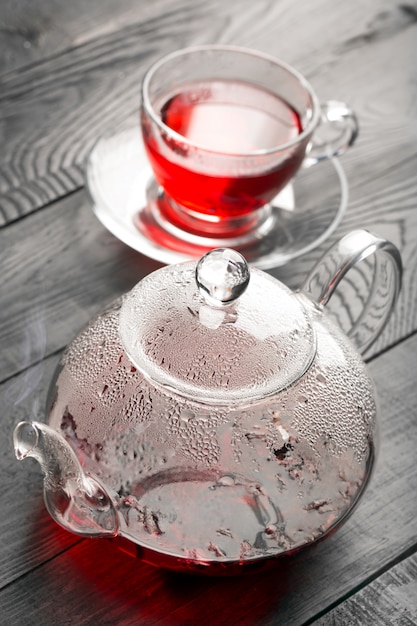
215 332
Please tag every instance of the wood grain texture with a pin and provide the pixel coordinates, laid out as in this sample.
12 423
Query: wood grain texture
96 584
32 31
69 72
390 600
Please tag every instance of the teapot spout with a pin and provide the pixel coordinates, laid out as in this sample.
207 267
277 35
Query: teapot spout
74 499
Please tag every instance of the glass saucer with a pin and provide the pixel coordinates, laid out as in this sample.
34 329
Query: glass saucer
126 197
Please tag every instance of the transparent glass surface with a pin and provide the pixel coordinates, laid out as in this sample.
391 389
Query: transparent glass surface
204 484
182 456
179 332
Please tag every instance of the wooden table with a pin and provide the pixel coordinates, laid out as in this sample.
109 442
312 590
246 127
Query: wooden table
69 71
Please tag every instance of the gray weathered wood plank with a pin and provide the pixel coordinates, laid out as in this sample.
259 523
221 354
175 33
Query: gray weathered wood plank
390 600
32 30
101 583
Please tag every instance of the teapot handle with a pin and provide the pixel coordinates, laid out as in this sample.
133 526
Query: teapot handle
384 288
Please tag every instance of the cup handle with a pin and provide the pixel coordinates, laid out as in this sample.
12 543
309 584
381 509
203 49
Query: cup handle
337 131
384 286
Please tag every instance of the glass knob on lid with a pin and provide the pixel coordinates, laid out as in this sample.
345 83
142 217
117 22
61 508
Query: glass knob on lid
222 276
215 332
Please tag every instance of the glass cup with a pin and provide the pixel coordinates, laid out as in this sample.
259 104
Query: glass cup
225 130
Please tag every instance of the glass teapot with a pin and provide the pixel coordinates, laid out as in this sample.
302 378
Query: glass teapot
212 419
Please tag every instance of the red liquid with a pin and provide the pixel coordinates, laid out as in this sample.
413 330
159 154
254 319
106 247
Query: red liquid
217 177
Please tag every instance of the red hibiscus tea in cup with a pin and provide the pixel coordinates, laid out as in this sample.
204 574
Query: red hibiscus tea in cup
225 130
234 119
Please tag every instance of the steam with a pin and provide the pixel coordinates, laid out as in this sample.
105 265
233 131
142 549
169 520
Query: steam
33 348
